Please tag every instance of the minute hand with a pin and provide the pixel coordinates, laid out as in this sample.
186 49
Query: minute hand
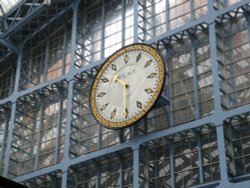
124 84
116 78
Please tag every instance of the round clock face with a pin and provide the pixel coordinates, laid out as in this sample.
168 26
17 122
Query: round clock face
127 86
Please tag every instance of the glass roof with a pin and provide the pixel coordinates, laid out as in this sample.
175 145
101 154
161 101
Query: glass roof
6 5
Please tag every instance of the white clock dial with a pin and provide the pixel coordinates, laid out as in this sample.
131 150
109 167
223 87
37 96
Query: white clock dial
127 86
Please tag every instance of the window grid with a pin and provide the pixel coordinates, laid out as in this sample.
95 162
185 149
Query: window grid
220 4
38 123
157 170
233 62
4 125
47 60
237 145
38 137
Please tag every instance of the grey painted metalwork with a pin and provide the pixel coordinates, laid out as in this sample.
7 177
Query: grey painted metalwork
8 44
199 144
136 167
196 98
136 16
86 143
171 154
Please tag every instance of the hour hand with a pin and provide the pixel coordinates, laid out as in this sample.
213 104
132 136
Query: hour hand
117 79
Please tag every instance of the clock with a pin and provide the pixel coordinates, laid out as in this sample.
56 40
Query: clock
127 85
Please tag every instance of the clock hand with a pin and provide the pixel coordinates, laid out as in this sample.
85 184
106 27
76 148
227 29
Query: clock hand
124 99
117 79
125 85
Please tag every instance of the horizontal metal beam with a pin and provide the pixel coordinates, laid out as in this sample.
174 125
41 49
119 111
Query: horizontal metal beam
206 19
135 142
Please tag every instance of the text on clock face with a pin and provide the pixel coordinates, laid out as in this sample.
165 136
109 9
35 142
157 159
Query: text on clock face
127 74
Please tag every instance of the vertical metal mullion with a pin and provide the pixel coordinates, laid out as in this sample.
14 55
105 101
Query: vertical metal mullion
64 46
46 59
53 181
245 160
231 64
35 149
39 138
226 2
98 175
222 154
73 35
135 130
215 68
82 36
120 134
18 71
167 16
39 64
192 9
153 18
9 139
71 81
136 16
200 157
231 147
12 82
121 174
64 178
195 80
76 181
99 136
91 37
59 126
210 7
5 134
172 163
247 16
145 123
68 119
146 167
5 24
156 173
13 113
123 31
103 29
169 68
136 166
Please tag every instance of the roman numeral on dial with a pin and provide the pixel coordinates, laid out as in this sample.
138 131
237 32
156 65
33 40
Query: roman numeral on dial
126 58
104 107
152 75
148 63
126 113
114 67
149 90
139 104
105 80
101 94
138 57
112 115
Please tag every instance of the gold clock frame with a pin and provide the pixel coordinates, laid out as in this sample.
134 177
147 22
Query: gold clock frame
161 74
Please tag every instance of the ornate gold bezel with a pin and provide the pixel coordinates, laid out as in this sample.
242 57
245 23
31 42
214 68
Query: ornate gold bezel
161 74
